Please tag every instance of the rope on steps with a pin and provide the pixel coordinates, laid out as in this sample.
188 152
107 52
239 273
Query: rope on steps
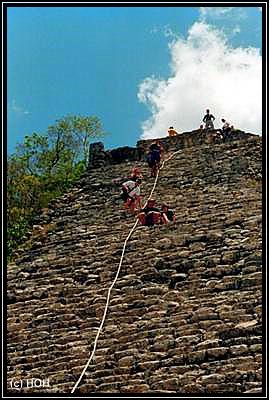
117 274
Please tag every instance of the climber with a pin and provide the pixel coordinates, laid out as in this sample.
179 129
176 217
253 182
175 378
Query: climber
131 194
167 214
136 174
172 131
157 145
154 157
208 120
150 215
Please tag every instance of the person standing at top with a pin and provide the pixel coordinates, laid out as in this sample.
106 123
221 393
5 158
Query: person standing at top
172 131
208 119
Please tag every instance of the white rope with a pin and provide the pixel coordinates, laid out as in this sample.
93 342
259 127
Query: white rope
116 277
106 307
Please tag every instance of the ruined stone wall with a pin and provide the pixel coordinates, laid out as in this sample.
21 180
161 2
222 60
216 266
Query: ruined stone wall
100 157
185 313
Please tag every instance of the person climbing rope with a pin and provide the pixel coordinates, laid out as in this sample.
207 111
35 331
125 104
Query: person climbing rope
208 119
167 214
172 131
154 157
136 174
150 215
131 194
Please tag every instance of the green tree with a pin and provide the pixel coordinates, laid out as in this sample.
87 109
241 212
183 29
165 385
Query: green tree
43 167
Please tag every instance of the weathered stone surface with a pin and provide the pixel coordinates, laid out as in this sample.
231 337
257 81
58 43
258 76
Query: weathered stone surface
164 243
168 384
126 361
185 313
213 378
142 388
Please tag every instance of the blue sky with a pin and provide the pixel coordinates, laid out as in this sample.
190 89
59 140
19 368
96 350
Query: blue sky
94 61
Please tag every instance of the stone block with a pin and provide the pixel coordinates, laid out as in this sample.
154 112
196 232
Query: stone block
196 356
197 246
138 388
205 313
148 365
212 378
238 349
192 388
166 384
164 244
127 361
217 353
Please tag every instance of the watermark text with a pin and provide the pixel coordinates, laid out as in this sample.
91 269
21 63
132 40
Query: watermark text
28 383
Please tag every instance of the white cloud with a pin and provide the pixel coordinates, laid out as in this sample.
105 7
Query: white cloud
205 73
236 30
169 33
13 107
216 12
210 14
154 30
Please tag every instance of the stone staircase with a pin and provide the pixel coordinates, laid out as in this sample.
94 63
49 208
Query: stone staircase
185 313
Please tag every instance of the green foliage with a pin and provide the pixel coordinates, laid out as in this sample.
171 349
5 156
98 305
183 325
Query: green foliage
43 167
15 234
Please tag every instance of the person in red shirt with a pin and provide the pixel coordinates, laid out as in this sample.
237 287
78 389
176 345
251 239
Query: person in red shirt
167 215
150 215
136 174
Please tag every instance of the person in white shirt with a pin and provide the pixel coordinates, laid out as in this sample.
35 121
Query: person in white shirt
131 194
226 125
226 129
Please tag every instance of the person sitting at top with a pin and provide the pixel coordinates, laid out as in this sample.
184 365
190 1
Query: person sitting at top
131 194
226 129
201 130
208 119
167 214
150 215
225 126
172 131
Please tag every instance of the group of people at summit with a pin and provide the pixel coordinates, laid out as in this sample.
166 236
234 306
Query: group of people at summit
150 214
208 120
